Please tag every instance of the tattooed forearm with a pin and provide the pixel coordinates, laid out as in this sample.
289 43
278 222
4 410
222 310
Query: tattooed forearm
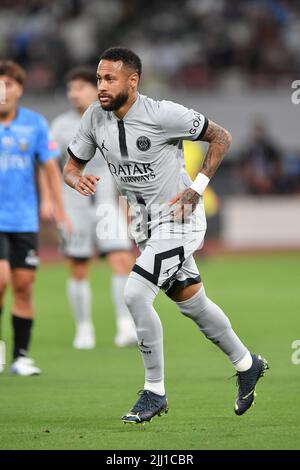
219 141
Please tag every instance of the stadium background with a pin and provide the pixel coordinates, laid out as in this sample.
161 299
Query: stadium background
235 62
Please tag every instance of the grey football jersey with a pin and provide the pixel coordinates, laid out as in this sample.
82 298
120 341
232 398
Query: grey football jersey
144 151
63 129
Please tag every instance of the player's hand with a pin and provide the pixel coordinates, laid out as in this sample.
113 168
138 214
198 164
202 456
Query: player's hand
186 203
46 211
86 184
63 222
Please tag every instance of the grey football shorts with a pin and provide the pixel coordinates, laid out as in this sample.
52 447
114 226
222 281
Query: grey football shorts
169 262
100 229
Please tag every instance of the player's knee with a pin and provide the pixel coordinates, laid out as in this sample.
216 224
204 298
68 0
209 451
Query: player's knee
209 317
132 295
4 280
79 276
23 291
4 276
195 306
137 294
121 262
79 269
3 286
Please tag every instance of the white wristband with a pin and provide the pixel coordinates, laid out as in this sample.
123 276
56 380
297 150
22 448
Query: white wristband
200 183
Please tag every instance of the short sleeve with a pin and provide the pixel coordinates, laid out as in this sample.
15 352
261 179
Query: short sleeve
58 134
46 147
179 122
83 145
56 131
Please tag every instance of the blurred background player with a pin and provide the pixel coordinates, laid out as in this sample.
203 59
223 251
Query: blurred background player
261 163
80 245
24 140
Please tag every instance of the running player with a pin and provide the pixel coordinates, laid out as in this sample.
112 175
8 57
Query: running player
85 214
143 150
24 140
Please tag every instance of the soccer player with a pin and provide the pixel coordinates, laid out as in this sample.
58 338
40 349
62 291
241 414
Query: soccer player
84 213
24 140
143 150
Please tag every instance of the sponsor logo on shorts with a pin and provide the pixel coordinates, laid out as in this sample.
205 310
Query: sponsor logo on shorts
32 259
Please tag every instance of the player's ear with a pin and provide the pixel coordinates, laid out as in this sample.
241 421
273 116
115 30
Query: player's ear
134 79
19 91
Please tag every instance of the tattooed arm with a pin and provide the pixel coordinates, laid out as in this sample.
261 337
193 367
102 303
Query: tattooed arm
219 141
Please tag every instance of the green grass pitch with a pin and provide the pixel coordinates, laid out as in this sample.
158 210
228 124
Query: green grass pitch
78 400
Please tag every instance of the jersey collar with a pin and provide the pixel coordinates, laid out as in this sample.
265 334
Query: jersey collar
130 110
13 121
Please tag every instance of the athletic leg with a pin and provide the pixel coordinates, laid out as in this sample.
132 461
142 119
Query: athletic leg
77 246
121 263
22 280
4 281
112 240
158 262
80 297
4 266
23 261
212 321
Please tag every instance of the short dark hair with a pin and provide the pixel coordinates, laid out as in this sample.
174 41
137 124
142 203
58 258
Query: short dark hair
85 73
128 57
13 70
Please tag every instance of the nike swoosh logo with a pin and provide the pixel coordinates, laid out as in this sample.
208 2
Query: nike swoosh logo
248 395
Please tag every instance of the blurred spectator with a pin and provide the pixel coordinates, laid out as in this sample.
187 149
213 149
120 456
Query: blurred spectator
291 171
185 43
267 170
261 166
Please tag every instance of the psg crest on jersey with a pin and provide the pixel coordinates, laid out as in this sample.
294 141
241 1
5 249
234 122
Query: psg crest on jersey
143 143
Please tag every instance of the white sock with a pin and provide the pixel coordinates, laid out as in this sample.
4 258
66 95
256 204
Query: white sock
79 295
155 387
245 363
117 285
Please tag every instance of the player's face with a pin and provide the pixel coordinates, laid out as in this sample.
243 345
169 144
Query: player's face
81 94
116 84
12 91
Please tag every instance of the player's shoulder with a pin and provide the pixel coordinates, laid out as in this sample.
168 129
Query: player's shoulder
95 110
94 114
28 116
65 118
160 109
